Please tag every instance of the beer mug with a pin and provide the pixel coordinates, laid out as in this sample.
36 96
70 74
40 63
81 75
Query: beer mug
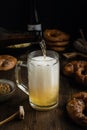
43 79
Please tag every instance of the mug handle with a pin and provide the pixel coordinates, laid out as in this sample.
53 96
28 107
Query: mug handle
18 77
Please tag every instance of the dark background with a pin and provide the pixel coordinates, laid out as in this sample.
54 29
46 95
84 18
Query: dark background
68 15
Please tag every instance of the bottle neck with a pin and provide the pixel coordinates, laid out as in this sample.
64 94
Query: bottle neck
33 19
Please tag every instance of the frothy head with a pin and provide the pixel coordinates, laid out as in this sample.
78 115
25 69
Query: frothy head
43 62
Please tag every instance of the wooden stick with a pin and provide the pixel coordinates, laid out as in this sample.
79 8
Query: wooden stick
73 54
83 37
19 113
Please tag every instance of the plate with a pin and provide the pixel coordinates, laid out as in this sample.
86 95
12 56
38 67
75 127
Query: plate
6 93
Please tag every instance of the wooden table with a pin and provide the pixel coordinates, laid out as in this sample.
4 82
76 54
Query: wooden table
56 119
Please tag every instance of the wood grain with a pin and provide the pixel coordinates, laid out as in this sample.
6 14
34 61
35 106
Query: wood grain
56 119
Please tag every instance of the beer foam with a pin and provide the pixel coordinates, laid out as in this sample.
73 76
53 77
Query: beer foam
40 60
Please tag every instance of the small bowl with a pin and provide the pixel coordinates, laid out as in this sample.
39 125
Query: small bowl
6 96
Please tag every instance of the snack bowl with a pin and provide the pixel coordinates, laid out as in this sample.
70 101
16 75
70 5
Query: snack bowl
7 89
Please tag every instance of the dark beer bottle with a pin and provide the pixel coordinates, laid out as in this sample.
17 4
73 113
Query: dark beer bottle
34 26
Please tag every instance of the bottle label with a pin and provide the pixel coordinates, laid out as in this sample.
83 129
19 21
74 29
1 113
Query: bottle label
36 27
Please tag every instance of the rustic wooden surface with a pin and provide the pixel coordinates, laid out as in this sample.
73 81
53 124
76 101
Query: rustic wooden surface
56 119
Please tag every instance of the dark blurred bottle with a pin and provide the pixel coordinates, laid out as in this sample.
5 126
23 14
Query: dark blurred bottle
34 26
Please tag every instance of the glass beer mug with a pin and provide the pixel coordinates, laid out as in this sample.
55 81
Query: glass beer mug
43 79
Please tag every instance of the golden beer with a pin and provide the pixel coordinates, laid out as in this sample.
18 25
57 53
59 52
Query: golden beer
43 75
